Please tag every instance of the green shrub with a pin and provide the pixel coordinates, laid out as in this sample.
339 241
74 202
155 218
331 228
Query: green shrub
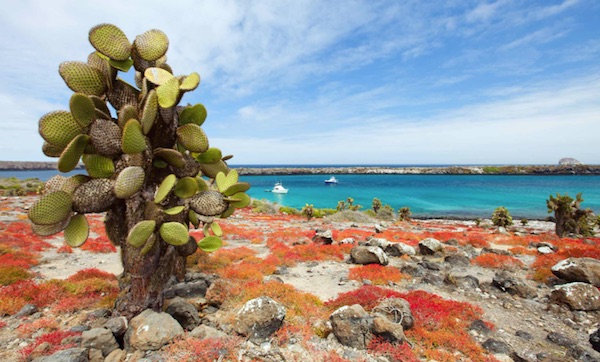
501 217
308 211
289 210
264 207
404 213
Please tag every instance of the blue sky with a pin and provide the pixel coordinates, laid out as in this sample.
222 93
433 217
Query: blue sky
339 82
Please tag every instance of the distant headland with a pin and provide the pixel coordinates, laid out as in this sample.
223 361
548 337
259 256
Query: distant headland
561 169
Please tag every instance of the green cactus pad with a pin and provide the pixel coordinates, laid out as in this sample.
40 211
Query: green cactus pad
47 230
158 76
110 41
72 183
193 217
51 208
100 104
208 203
126 113
174 210
83 78
225 181
152 44
210 244
82 109
77 232
51 150
129 181
69 158
150 111
212 169
185 187
193 114
99 61
171 156
59 128
94 196
133 140
202 184
141 232
211 155
102 115
165 187
174 233
148 245
192 137
190 82
122 65
105 136
216 229
227 213
168 93
241 200
159 163
98 166
122 94
235 188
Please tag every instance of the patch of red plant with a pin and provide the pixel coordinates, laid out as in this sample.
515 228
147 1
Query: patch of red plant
393 352
497 261
100 244
377 274
54 339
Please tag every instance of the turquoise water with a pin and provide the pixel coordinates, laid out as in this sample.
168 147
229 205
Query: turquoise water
465 196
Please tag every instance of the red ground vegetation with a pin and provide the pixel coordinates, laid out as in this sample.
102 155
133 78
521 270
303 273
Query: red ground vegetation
377 274
497 261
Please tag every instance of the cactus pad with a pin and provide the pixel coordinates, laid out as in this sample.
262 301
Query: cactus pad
98 166
54 183
122 65
100 104
110 41
165 187
133 141
150 111
141 232
193 114
158 76
149 244
105 136
122 94
69 158
174 233
192 137
129 181
210 244
235 188
208 203
190 82
51 150
47 230
171 156
241 200
59 128
51 208
94 196
186 187
77 232
174 210
168 93
225 181
73 182
126 113
83 78
82 109
212 169
152 44
211 155
216 229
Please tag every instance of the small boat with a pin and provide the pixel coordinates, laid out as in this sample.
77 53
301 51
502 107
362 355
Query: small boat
279 189
332 180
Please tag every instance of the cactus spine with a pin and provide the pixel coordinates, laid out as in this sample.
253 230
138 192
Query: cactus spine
150 165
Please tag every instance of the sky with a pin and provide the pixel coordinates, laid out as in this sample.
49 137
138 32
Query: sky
338 82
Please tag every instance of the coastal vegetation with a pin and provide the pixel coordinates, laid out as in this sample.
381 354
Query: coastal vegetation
569 218
501 217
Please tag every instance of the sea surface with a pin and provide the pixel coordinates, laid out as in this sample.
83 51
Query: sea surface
452 196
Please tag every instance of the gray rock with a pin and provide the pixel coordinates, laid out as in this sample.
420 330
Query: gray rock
561 339
118 326
118 355
430 246
462 281
27 310
523 334
259 318
568 161
368 255
184 313
388 330
99 338
186 290
512 285
352 325
457 260
586 270
414 270
432 279
480 327
578 296
66 355
204 331
323 237
149 331
396 310
595 340
399 249
496 346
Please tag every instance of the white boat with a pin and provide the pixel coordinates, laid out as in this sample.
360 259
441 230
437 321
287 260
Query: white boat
332 180
279 189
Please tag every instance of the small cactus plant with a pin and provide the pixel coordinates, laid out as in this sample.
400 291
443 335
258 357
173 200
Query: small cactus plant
308 211
404 213
501 217
376 205
150 166
568 217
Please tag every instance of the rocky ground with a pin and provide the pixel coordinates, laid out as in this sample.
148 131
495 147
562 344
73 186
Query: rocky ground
530 321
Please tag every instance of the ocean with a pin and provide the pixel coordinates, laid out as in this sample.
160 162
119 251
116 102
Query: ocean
451 196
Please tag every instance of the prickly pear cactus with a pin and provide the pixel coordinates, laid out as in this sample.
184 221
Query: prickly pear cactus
149 165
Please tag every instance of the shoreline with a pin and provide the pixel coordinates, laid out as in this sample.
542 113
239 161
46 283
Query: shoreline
367 170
